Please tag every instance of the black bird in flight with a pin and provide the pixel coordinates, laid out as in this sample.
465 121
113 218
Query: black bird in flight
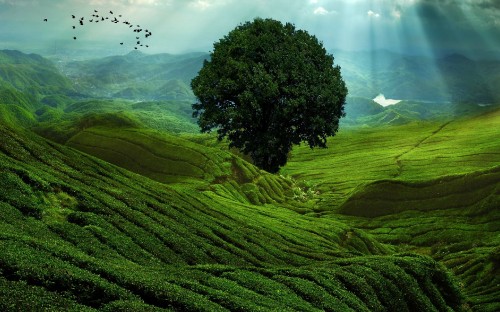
44 19
96 18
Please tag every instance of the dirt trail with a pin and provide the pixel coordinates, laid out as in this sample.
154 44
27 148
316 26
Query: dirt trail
398 157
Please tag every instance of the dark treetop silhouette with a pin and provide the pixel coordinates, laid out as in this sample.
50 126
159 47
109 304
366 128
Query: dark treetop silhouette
268 86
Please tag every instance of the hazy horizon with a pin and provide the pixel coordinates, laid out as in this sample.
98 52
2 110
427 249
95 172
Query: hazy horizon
421 27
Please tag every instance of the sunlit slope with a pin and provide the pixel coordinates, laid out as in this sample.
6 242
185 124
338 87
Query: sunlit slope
171 159
59 123
77 233
429 188
415 152
162 157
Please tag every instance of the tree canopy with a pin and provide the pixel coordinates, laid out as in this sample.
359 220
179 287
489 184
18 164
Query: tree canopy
266 87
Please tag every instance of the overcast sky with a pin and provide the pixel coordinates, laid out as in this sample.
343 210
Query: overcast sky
410 26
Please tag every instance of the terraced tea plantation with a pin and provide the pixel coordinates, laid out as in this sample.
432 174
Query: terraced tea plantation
431 188
118 217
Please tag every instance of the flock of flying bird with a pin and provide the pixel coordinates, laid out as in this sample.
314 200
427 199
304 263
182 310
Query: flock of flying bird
97 17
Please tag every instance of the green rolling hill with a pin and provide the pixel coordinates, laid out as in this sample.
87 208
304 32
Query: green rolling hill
119 206
32 74
81 234
137 76
427 187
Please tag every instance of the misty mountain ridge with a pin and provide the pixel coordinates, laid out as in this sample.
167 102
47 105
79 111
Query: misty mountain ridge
452 78
426 88
32 73
136 75
119 205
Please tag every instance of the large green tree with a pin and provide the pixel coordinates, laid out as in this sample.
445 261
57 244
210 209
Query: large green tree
266 87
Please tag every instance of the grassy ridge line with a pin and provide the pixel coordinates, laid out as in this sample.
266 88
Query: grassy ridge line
171 159
444 203
82 232
353 158
452 192
417 145
465 239
106 197
413 152
136 158
465 145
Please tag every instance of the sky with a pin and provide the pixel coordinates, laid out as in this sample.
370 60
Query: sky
436 27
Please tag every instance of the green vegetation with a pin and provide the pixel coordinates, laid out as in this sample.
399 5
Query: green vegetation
60 124
426 187
137 76
124 213
267 87
32 74
79 231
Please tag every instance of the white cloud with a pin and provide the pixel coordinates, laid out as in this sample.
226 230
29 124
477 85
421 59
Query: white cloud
200 4
320 11
396 14
144 2
380 99
373 14
206 4
313 1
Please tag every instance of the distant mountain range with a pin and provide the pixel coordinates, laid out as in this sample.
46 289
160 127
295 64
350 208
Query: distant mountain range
136 75
32 74
454 78
428 87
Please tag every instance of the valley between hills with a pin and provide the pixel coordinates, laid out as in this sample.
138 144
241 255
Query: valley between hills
111 201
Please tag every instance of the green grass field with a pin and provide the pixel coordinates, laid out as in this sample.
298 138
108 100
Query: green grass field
430 188
124 218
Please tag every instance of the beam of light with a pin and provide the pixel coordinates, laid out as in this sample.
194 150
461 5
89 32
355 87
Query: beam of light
489 40
416 42
451 40
382 39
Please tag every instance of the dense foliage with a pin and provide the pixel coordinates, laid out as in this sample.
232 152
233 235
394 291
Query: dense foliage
267 87
415 230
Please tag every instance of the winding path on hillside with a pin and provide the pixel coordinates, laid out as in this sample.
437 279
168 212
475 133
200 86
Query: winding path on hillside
398 157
